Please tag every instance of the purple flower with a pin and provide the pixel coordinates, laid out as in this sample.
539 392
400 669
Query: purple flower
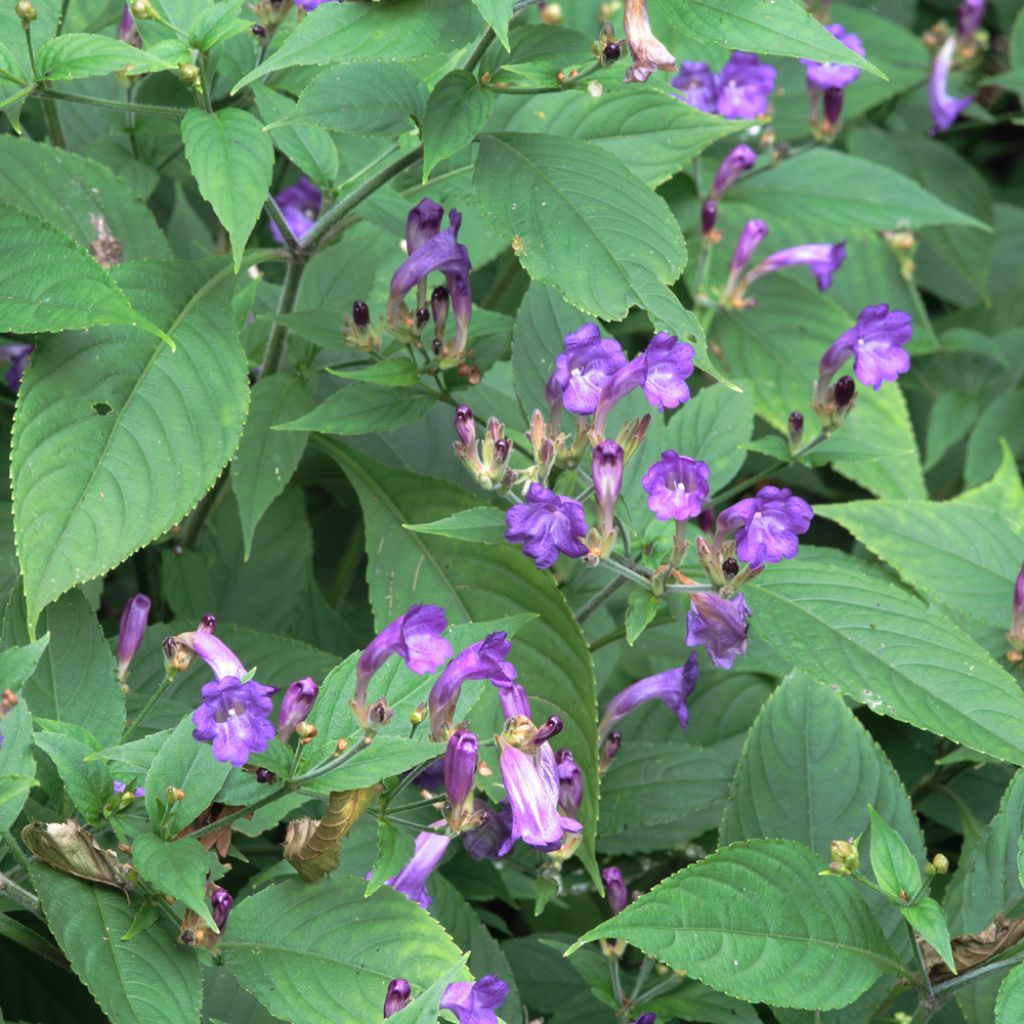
221 901
677 486
824 260
671 687
606 467
18 352
533 791
120 787
830 75
312 5
767 525
460 760
646 1018
514 700
484 843
300 205
648 52
969 17
615 889
744 85
411 881
753 234
581 372
295 707
422 224
741 159
720 625
945 108
877 343
234 717
547 525
126 30
475 1003
134 617
444 254
570 781
485 659
223 661
1018 598
397 998
696 85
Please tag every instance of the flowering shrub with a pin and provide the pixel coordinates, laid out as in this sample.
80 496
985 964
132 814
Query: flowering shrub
514 512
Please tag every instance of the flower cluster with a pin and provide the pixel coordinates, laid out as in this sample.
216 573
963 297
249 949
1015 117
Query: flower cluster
741 90
475 1002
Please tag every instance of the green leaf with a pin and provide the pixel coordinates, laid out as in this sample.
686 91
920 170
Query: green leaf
391 373
457 109
407 567
78 55
308 146
17 766
763 26
395 848
603 257
888 650
233 160
358 34
179 869
52 284
87 783
18 663
365 409
216 23
1010 1001
324 954
825 190
266 459
731 921
641 607
384 757
478 525
187 764
896 868
927 919
497 14
149 980
362 99
75 679
117 437
1001 419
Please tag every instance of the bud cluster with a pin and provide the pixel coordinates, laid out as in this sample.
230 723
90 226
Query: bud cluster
486 460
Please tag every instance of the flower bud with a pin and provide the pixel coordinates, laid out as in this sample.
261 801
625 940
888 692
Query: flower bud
439 303
552 14
611 53
570 781
422 316
295 707
607 466
833 109
207 624
708 216
796 430
174 795
189 73
360 313
221 901
552 727
845 856
844 391
265 776
460 760
941 864
26 12
730 568
610 748
465 426
399 993
418 715
615 889
134 618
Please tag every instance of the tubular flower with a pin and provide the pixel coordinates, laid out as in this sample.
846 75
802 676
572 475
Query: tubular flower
1016 634
234 718
134 618
676 486
969 17
648 52
767 525
221 902
945 108
411 881
300 205
422 224
740 159
720 625
570 781
615 889
460 760
486 659
581 372
877 343
606 468
831 75
547 525
823 259
475 1002
744 86
671 687
295 707
398 995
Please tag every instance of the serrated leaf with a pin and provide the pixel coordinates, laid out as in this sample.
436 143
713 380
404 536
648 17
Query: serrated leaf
497 14
1010 1001
324 953
357 34
149 980
394 850
79 55
457 109
888 650
604 254
308 146
895 867
365 409
731 922
386 756
179 869
407 568
479 525
17 766
362 99
232 159
87 782
266 459
117 437
927 919
18 663
215 23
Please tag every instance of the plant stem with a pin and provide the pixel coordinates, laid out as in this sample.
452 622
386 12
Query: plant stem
428 802
277 343
659 990
744 485
641 979
926 982
613 971
564 86
242 812
599 598
618 634
30 940
56 129
12 844
149 705
18 895
976 975
479 50
174 113
275 214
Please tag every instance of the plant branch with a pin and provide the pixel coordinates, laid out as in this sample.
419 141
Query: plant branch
18 894
149 705
946 987
479 50
744 485
277 343
173 113
275 214
30 940
599 598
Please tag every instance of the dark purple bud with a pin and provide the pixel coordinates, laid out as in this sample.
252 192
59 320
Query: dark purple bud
844 391
422 316
133 628
833 106
610 747
207 624
969 17
646 1018
741 159
552 727
465 426
437 346
708 216
221 901
706 520
360 313
460 760
265 776
399 993
612 52
439 302
502 450
796 429
730 568
1018 595
295 707
259 30
570 781
615 889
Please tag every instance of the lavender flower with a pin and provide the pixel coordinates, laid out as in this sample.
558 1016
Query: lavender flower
221 902
120 787
547 525
767 525
533 790
514 700
877 343
485 659
648 52
744 85
486 842
740 159
719 625
411 881
671 687
18 352
945 108
830 75
696 85
134 618
615 889
969 17
126 30
422 224
222 661
295 707
824 260
300 205
606 467
753 234
570 781
234 717
582 371
677 486
397 998
460 760
475 1003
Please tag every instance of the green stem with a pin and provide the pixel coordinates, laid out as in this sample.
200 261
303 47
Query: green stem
620 632
277 343
332 765
976 975
206 83
30 940
324 230
31 50
242 812
745 485
149 705
275 214
479 50
926 983
19 95
599 598
642 975
15 892
14 846
173 113
428 802
659 990
616 976
53 124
